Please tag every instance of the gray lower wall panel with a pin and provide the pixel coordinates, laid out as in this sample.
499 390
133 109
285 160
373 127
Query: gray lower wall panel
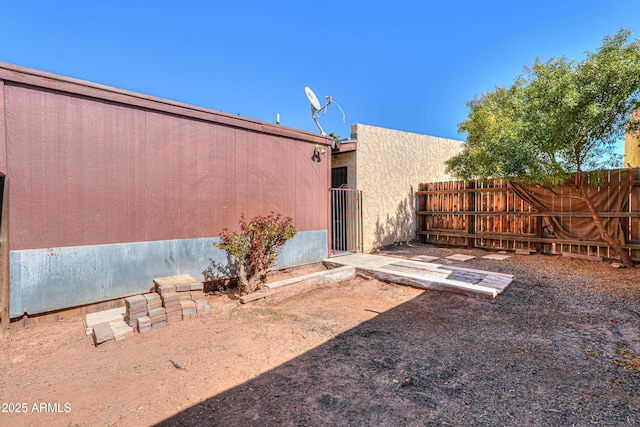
45 280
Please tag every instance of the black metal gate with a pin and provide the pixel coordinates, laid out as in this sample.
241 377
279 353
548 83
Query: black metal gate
346 221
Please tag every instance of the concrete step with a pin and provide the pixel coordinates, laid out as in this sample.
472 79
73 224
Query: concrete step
300 283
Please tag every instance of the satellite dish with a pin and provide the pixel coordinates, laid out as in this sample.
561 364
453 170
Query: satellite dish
316 108
313 99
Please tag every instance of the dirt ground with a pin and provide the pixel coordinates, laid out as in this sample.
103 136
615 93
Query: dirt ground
560 347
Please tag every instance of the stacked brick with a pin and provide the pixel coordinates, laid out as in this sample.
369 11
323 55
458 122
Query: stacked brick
136 307
144 312
182 298
144 324
174 298
107 326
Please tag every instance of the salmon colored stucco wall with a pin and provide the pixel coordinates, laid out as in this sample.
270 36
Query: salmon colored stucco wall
390 165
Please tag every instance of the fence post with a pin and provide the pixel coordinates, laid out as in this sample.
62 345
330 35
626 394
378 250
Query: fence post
538 244
471 217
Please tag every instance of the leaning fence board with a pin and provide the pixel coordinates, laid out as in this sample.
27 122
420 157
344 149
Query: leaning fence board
489 214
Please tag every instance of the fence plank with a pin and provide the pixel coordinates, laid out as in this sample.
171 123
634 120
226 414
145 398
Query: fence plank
490 214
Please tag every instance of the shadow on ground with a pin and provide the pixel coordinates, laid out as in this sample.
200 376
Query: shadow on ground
445 359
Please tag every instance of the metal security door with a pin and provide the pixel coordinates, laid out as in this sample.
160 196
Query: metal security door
346 221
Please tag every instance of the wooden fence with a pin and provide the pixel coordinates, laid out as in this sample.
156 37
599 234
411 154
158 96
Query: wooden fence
491 215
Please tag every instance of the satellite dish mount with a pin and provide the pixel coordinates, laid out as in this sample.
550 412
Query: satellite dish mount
316 109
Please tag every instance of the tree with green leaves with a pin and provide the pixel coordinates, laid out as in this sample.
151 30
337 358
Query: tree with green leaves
558 123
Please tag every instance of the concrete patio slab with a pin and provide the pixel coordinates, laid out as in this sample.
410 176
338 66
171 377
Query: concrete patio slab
424 258
496 257
460 257
478 283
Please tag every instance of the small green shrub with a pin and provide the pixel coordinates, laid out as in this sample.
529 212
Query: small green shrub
256 247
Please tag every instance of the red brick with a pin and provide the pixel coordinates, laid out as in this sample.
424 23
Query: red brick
135 301
172 308
154 304
203 315
184 296
199 309
157 311
197 286
186 304
183 287
164 289
169 296
189 316
174 303
173 314
201 302
172 320
196 294
167 280
131 322
151 297
135 316
158 318
134 310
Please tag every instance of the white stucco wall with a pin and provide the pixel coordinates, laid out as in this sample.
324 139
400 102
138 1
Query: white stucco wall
390 165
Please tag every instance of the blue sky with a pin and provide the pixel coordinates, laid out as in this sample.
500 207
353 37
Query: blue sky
407 65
